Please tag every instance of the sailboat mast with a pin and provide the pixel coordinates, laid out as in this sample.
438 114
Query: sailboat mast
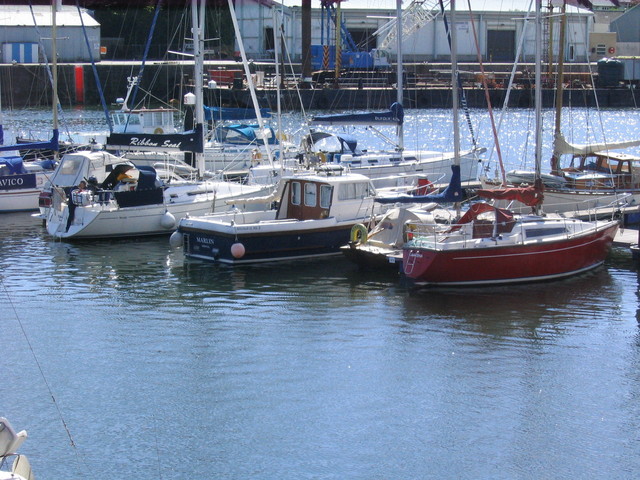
454 84
454 92
197 26
277 33
555 159
55 5
538 92
247 73
400 79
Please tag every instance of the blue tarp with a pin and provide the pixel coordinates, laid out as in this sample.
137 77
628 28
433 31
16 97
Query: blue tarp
348 143
50 145
147 177
393 116
242 134
13 164
453 193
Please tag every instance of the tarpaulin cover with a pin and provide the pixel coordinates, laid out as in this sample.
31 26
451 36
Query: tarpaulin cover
393 116
453 193
530 196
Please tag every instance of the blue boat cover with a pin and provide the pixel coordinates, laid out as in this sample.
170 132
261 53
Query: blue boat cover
13 164
147 177
348 143
242 134
453 193
50 145
228 113
393 116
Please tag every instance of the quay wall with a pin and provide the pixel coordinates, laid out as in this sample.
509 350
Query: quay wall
24 86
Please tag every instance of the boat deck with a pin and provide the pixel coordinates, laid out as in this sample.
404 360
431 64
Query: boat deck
625 237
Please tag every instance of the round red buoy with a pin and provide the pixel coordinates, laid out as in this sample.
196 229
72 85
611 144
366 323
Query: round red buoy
237 250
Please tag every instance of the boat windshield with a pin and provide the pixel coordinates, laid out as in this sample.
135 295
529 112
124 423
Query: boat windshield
70 171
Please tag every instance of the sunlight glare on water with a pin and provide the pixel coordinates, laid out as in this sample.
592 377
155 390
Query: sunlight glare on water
166 367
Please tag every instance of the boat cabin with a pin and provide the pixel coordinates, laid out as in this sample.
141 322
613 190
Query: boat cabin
144 120
604 171
330 193
78 166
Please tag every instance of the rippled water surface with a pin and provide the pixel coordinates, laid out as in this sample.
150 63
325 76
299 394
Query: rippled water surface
122 356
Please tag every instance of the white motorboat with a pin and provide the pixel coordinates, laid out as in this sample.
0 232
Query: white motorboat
10 442
124 200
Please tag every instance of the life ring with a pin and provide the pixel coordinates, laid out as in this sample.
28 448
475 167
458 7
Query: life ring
359 234
612 50
158 131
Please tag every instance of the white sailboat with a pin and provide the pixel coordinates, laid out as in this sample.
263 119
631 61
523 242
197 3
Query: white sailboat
138 203
22 181
386 167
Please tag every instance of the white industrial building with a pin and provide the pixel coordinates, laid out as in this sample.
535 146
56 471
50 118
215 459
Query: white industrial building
26 34
498 31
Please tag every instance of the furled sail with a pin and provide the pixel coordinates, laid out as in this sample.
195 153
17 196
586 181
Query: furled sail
393 116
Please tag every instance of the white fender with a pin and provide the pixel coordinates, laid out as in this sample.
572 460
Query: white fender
168 220
175 240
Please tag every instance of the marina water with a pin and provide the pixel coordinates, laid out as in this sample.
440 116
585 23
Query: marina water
123 356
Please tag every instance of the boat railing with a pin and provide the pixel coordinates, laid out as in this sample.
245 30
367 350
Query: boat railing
593 209
485 234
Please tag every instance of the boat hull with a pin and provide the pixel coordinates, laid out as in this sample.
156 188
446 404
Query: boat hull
20 193
19 200
496 264
264 242
97 222
146 212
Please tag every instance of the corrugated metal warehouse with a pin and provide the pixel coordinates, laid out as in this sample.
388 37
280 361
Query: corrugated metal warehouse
26 33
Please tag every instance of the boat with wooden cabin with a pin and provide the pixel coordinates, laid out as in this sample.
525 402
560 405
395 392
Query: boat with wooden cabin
313 217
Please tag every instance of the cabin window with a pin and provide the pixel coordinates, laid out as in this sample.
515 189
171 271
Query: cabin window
296 197
234 136
325 196
310 194
541 232
352 191
70 165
